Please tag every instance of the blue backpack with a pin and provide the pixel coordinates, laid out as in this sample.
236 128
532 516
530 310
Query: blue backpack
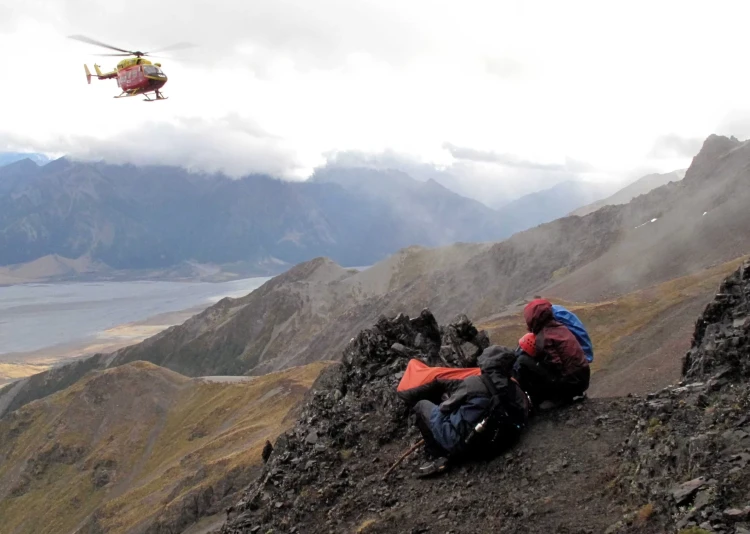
575 325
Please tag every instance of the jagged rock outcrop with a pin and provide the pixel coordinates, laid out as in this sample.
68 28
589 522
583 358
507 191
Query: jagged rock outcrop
325 475
267 450
466 343
689 455
352 410
677 461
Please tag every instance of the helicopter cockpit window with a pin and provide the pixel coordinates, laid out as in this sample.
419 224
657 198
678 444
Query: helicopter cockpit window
150 70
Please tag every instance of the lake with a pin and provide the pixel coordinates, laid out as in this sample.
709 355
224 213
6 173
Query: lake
37 316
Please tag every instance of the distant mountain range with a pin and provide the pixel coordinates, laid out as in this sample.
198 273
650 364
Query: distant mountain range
116 221
433 203
129 217
126 218
7 158
448 216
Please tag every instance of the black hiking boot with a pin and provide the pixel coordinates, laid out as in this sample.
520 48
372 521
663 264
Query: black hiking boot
435 467
548 405
552 404
580 398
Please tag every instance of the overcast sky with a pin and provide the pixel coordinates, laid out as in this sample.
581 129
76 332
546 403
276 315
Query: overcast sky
521 93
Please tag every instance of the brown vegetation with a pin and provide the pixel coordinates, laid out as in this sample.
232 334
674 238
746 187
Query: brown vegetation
137 445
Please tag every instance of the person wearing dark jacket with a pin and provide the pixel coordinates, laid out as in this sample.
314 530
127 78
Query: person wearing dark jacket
551 367
446 427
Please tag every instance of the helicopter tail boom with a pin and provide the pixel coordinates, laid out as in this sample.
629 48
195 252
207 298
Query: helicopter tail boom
99 74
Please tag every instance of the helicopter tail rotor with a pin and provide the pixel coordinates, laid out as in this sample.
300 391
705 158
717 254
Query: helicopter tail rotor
88 73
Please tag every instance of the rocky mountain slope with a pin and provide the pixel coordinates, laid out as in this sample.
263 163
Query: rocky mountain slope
610 252
139 448
310 312
676 461
676 229
641 186
130 217
687 460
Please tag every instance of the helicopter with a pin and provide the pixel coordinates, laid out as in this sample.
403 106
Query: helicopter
134 75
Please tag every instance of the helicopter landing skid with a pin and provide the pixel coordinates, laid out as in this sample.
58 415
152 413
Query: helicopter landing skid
159 96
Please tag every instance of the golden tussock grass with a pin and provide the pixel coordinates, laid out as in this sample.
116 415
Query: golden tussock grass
365 525
168 435
13 371
610 321
645 513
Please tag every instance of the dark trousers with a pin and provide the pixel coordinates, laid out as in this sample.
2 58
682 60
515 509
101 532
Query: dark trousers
423 409
543 382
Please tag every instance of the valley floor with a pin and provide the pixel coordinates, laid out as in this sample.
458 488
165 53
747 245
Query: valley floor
16 365
44 325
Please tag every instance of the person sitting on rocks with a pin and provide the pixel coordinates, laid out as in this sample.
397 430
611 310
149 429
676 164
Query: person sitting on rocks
551 365
450 429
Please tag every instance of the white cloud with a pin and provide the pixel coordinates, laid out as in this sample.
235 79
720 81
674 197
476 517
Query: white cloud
540 86
736 122
228 145
673 145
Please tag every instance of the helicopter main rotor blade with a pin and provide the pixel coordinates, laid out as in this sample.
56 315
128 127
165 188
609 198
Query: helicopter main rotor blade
176 46
110 55
97 43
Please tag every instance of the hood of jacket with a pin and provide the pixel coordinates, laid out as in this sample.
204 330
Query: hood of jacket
538 313
497 362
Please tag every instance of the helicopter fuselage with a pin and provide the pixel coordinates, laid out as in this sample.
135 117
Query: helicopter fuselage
136 75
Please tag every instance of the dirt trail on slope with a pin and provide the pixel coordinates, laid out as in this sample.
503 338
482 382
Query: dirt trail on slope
537 487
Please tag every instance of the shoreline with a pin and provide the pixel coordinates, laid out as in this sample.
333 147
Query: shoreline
10 281
18 365
55 269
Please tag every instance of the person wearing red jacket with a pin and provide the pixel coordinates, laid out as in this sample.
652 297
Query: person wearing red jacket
551 367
